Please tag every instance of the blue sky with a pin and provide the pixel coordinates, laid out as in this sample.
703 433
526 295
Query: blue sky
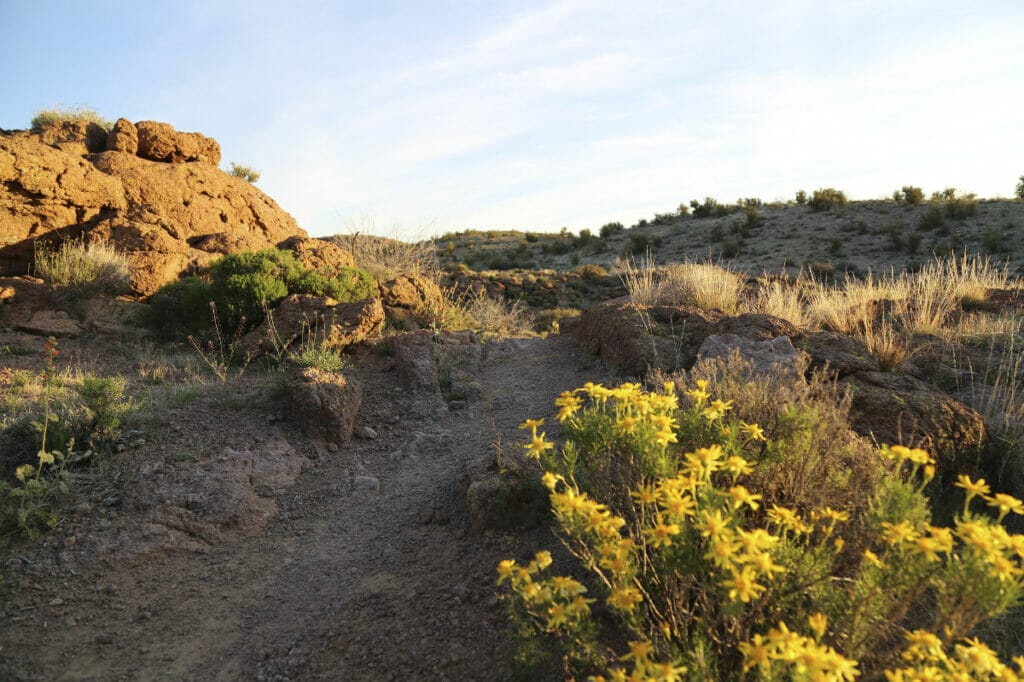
414 118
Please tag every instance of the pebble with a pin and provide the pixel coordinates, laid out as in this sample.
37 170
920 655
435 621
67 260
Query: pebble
365 483
365 433
332 447
426 516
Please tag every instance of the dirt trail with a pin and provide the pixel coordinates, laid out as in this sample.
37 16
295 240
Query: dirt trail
366 572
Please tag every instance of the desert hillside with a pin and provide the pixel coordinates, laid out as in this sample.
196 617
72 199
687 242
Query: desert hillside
783 441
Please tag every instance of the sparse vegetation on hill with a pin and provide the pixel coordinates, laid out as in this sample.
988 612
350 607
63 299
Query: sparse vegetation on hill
826 199
247 173
46 117
78 270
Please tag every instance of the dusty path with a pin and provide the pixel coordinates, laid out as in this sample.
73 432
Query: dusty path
366 572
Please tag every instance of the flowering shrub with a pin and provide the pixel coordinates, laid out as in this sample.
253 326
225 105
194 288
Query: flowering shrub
27 506
696 573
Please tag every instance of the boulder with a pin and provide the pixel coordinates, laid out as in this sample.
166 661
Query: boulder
325 405
635 338
320 319
325 257
76 137
837 353
169 218
51 323
898 408
411 292
161 142
416 362
765 356
123 137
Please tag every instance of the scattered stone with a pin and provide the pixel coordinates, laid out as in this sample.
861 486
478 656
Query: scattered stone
336 325
764 356
426 515
123 137
366 483
52 323
365 432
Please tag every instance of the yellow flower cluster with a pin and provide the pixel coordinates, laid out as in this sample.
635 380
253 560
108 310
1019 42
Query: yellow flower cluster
559 599
971 659
645 668
537 445
807 657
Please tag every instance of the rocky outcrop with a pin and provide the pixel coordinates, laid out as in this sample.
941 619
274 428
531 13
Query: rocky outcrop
167 204
765 356
326 405
325 257
410 301
897 408
636 338
316 319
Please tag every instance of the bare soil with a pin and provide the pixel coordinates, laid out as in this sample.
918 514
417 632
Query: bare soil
232 552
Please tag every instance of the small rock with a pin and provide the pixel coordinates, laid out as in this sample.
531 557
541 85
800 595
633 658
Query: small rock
57 602
426 516
393 419
368 483
332 448
365 432
441 519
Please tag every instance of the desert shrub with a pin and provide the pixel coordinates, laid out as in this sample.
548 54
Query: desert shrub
1019 189
77 270
826 199
550 320
994 240
611 229
241 286
909 195
931 219
591 271
711 560
105 401
957 206
704 285
683 210
386 258
710 208
730 248
247 173
801 197
45 117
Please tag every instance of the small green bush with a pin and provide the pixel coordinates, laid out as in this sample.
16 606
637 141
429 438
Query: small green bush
45 117
105 401
611 229
247 173
931 219
826 199
710 208
801 197
241 286
1019 191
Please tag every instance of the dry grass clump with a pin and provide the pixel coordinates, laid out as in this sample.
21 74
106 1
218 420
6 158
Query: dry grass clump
474 309
387 258
45 117
704 285
77 270
784 300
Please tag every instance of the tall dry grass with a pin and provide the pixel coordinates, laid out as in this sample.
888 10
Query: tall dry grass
77 270
701 284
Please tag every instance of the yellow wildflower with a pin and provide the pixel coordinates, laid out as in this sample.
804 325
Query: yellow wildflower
737 466
711 525
1005 503
569 405
639 651
45 457
700 394
627 424
625 598
24 471
543 559
644 494
818 623
678 505
896 533
537 446
752 431
741 496
506 568
550 480
743 585
755 653
532 424
872 558
557 615
661 534
762 563
978 658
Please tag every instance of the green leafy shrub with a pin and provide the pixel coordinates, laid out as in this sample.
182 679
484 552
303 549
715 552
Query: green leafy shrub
45 117
241 286
78 271
247 173
826 199
801 197
720 550
1019 190
105 400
